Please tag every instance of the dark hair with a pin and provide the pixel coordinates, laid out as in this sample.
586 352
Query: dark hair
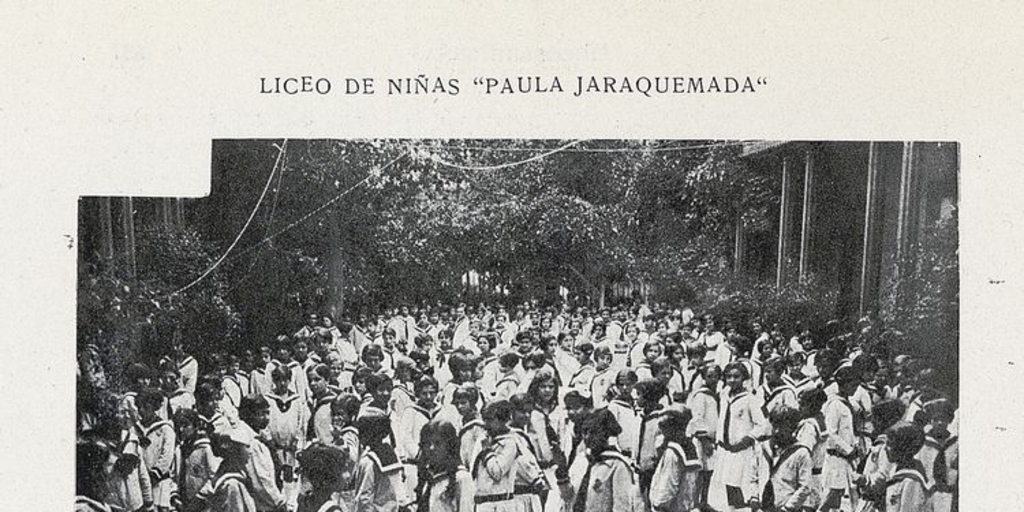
886 413
459 361
845 375
509 360
184 417
490 338
149 399
586 347
537 358
650 389
811 401
672 348
419 356
281 372
521 402
250 405
659 365
467 391
742 343
796 358
361 374
696 351
320 369
904 440
372 350
500 410
737 366
138 371
206 392
674 421
542 376
426 381
323 465
422 340
602 423
785 416
574 399
347 404
865 363
939 408
376 381
775 364
626 375
446 437
602 350
373 428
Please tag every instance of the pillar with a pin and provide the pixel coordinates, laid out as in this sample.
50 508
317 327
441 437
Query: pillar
780 267
906 202
867 270
106 229
805 221
128 223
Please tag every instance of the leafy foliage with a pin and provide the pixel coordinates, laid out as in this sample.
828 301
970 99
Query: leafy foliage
132 317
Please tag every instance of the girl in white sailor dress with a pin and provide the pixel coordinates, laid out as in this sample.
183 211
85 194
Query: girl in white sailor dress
548 428
227 491
907 490
158 447
494 468
841 449
776 393
610 483
741 424
674 486
319 428
378 476
450 486
323 468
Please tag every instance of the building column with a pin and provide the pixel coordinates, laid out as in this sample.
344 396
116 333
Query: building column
906 202
867 271
106 229
805 222
780 266
166 214
128 222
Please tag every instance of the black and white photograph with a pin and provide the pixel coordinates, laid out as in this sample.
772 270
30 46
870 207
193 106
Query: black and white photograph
526 325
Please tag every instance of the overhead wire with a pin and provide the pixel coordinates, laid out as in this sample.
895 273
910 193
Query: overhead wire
263 195
318 209
446 163
496 149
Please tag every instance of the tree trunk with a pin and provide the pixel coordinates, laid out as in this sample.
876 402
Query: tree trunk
335 275
128 218
106 229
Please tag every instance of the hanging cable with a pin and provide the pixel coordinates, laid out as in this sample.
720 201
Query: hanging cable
441 161
319 208
662 149
270 179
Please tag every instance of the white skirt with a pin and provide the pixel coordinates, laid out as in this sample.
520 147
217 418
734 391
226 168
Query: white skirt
734 468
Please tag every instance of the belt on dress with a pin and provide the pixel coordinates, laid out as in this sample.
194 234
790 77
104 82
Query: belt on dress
731 448
492 498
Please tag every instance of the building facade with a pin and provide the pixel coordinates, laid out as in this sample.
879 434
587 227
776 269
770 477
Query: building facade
849 214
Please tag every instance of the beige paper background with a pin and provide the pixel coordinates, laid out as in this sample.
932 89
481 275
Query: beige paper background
124 98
